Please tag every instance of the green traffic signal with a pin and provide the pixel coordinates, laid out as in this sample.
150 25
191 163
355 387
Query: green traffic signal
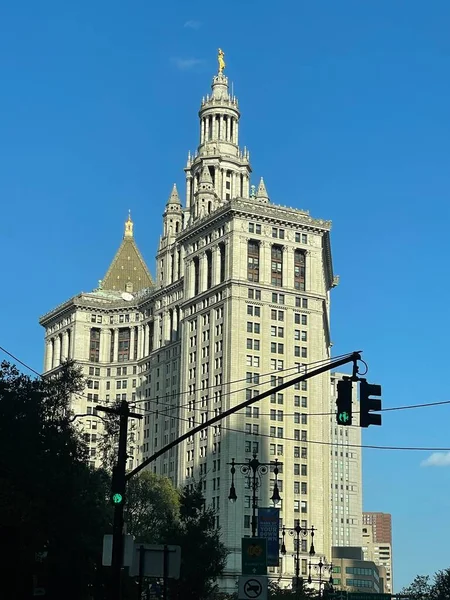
344 401
117 498
343 418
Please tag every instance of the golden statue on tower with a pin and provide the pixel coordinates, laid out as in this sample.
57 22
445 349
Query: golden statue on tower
220 58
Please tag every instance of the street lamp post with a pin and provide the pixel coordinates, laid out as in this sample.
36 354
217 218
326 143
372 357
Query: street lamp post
299 533
253 470
322 566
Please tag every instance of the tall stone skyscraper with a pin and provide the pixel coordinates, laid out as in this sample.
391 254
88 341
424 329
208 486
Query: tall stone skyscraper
345 474
240 302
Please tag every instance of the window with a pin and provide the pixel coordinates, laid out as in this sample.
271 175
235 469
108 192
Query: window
254 228
208 269
254 294
124 345
253 261
304 319
278 298
304 506
222 261
196 264
246 521
278 233
277 266
253 310
296 505
299 269
94 345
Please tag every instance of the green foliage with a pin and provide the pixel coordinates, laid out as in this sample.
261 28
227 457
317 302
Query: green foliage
423 587
152 503
51 502
419 588
303 592
203 555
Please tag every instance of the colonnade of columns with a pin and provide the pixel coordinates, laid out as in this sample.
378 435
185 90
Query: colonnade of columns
239 184
207 262
224 128
58 349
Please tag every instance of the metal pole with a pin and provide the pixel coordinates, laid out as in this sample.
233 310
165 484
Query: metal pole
254 504
297 562
117 550
165 570
141 571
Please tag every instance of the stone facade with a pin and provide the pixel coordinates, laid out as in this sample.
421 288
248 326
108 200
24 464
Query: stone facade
345 475
241 298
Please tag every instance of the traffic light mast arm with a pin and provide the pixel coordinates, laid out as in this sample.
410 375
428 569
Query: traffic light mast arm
354 357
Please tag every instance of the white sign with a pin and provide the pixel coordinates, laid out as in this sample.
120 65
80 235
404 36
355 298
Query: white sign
128 547
252 587
153 561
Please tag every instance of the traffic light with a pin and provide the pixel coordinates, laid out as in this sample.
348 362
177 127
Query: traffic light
344 402
368 404
118 487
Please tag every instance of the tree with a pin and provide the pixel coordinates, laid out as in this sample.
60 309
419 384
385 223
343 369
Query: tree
303 592
152 503
419 588
441 585
423 587
53 507
203 555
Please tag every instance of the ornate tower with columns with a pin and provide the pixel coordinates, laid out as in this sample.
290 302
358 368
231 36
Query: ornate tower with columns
218 153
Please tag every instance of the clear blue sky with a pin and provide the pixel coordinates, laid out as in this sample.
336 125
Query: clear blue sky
345 109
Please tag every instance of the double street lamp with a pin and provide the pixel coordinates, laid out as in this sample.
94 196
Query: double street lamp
322 567
298 533
254 470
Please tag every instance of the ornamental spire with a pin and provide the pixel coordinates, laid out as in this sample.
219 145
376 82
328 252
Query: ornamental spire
129 226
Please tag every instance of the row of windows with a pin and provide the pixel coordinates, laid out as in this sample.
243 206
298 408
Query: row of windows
255 294
123 351
278 233
277 263
114 318
360 583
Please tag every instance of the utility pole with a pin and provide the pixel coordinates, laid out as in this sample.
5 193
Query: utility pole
118 494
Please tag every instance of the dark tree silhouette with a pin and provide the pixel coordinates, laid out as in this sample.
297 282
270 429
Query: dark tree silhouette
53 507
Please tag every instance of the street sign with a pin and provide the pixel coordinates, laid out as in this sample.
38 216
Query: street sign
153 565
269 528
128 545
252 588
254 556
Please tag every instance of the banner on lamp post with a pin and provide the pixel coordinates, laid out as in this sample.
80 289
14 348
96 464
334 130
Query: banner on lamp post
269 528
